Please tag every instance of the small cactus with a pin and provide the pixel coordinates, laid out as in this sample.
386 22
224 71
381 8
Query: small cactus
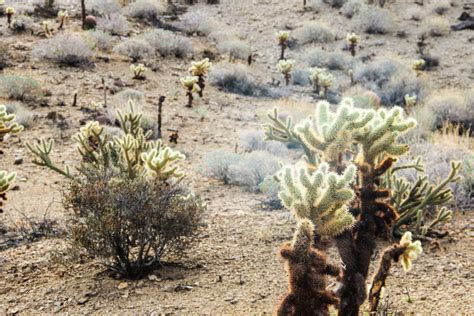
46 25
10 12
286 67
63 16
7 123
160 162
314 76
410 101
6 180
283 38
200 69
418 65
352 39
326 80
138 71
190 84
411 252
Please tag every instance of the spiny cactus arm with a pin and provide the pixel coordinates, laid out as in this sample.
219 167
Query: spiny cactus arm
42 151
7 124
130 121
6 180
163 163
407 250
435 195
443 216
284 132
417 165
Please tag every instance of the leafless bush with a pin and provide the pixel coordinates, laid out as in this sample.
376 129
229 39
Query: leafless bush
352 8
145 9
375 20
65 49
131 225
313 32
217 164
115 24
317 57
101 40
436 26
168 43
135 48
19 88
235 48
104 7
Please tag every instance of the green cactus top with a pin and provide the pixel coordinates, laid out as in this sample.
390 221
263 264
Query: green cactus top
7 123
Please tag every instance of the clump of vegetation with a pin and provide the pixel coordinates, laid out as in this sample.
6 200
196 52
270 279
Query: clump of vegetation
64 49
233 78
317 57
136 49
190 84
235 49
375 20
440 7
101 40
200 69
436 26
63 17
115 24
450 106
352 8
128 208
286 67
138 71
21 23
217 164
313 32
19 88
168 43
146 10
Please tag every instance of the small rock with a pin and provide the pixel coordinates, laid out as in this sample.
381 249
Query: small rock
82 300
18 160
122 285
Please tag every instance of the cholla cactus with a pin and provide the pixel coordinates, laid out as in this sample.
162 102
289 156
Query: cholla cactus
10 12
138 71
63 16
8 124
314 76
411 250
160 162
46 25
6 180
326 80
200 69
283 38
352 39
319 195
410 101
286 67
190 83
418 65
307 269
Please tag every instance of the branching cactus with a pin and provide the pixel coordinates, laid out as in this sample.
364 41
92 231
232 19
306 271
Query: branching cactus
283 37
307 271
410 102
286 67
10 12
46 26
319 195
138 71
352 40
63 17
419 65
314 76
7 126
326 80
131 155
200 69
406 251
190 84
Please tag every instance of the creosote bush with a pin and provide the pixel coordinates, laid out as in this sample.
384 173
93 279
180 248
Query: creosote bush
64 49
19 88
128 206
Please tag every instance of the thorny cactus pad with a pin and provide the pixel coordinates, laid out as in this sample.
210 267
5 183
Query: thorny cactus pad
319 195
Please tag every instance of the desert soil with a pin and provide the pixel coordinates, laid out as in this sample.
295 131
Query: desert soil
235 269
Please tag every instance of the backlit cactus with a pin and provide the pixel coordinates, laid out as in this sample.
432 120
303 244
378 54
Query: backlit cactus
10 12
326 80
6 180
7 123
190 84
412 250
352 40
418 65
410 101
319 195
283 38
200 69
286 67
46 26
138 71
314 76
161 162
63 16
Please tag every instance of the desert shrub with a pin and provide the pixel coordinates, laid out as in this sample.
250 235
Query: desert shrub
129 94
236 49
415 13
450 105
390 80
135 48
352 8
128 208
101 40
195 23
168 43
233 78
315 5
115 24
313 32
217 164
317 57
253 140
64 49
440 6
375 20
436 26
271 188
23 116
19 88
145 9
252 169
103 7
300 76
21 23
4 56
